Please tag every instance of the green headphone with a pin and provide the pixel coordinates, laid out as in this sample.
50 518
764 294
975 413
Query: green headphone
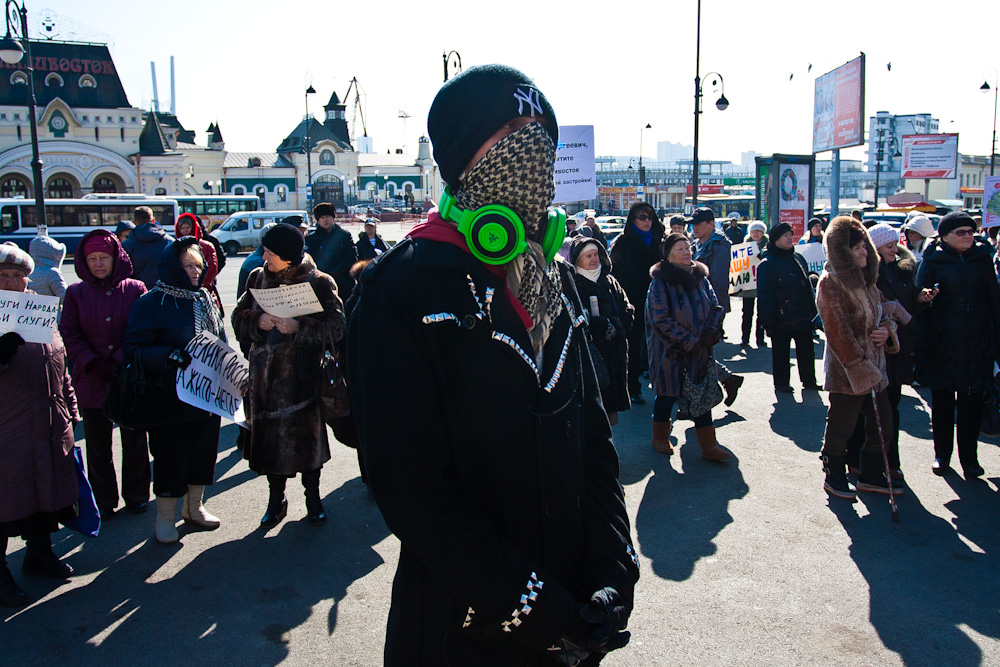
495 233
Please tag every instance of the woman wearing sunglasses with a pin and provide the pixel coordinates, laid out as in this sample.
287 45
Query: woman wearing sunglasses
958 338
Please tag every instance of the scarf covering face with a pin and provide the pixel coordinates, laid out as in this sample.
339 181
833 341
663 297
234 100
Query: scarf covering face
206 314
518 172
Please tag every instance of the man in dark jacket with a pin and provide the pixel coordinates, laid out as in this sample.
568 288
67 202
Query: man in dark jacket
733 231
595 231
633 254
712 250
370 244
332 248
787 308
145 245
480 421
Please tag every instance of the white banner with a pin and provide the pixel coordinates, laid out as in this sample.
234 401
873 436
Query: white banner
215 379
575 174
814 255
745 259
991 202
33 316
288 300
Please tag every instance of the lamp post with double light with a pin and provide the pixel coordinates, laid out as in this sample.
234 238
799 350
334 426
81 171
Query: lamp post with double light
880 154
722 104
308 146
456 63
13 47
993 145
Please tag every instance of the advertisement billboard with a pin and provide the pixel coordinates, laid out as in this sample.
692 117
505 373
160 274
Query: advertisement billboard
793 195
991 202
930 156
839 107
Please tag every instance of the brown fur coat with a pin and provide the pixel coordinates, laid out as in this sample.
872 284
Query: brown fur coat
851 308
287 430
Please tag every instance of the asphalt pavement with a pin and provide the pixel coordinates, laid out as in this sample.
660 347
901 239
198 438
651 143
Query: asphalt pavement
746 562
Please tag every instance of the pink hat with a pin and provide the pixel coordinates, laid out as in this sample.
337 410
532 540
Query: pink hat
101 243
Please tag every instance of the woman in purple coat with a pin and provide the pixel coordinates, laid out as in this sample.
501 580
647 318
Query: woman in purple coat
94 318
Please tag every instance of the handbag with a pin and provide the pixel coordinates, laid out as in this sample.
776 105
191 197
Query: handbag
334 400
698 398
990 423
138 401
600 367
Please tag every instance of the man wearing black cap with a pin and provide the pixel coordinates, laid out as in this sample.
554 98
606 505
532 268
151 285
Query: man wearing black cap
484 438
712 250
332 248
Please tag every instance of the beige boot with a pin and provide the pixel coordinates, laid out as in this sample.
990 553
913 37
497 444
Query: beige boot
710 448
661 438
166 520
194 512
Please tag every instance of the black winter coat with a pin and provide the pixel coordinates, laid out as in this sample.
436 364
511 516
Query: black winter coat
494 474
144 246
368 251
958 336
334 253
631 260
784 293
897 281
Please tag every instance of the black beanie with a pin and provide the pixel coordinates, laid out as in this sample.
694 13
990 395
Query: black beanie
470 108
285 241
779 230
953 221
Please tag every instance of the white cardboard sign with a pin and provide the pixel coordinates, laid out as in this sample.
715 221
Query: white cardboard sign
288 300
575 172
33 316
215 379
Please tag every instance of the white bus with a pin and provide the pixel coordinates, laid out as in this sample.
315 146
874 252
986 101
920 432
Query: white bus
69 220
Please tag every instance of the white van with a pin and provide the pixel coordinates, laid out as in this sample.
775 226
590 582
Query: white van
242 230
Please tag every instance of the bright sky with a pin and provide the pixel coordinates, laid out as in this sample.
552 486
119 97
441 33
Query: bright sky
615 65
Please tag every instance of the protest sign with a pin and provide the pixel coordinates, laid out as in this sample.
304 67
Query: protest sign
814 255
215 379
575 175
33 316
288 300
745 258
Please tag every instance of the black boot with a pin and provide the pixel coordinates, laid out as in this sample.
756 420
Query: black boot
11 594
872 478
277 504
39 559
836 483
314 505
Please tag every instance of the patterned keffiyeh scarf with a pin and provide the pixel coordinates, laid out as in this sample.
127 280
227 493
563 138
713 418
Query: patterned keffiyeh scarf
206 314
518 173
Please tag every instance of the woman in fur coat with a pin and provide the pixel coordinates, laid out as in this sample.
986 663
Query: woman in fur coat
287 430
683 318
860 329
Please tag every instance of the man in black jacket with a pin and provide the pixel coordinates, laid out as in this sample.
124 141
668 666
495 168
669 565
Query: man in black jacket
332 248
370 244
480 420
787 308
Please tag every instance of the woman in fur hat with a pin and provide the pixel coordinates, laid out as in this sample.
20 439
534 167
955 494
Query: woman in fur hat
287 430
860 329
682 326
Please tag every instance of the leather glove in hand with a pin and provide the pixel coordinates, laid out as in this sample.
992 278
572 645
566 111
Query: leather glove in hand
599 628
178 359
9 342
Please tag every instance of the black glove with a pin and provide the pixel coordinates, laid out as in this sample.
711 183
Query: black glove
9 342
709 337
178 359
599 627
599 328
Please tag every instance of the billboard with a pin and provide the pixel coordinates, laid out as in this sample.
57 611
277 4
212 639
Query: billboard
930 156
794 205
991 202
839 107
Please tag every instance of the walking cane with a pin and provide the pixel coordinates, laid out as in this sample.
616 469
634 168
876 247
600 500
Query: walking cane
885 458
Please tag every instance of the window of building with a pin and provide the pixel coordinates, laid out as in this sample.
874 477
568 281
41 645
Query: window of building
254 162
54 80
326 157
261 193
281 192
86 119
60 188
13 187
17 116
105 184
19 78
239 190
97 134
18 132
87 81
160 191
3 116
121 119
111 119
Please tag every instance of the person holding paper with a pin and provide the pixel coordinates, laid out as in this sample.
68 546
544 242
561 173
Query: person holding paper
756 232
287 428
611 317
162 323
38 483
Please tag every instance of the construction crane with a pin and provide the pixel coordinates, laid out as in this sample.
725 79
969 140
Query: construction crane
357 109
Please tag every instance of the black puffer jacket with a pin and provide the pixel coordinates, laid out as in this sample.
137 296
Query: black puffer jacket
784 293
631 260
334 253
958 336
897 281
486 463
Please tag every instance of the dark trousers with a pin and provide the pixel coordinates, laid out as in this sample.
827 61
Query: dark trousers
184 453
857 439
842 417
781 353
969 409
638 359
748 307
100 465
663 408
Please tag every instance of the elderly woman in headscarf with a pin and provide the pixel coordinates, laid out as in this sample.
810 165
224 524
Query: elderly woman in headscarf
287 428
610 315
38 484
919 230
162 323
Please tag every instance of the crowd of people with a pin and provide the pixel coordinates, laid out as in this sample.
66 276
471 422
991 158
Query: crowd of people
504 366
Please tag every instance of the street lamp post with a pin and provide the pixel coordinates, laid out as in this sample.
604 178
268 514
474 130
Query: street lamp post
309 163
879 155
456 63
642 173
993 145
13 47
722 104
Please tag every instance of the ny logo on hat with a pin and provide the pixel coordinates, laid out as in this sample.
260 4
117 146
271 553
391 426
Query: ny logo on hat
532 97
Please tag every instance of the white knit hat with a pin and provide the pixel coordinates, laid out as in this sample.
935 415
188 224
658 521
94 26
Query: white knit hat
12 255
882 234
757 224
